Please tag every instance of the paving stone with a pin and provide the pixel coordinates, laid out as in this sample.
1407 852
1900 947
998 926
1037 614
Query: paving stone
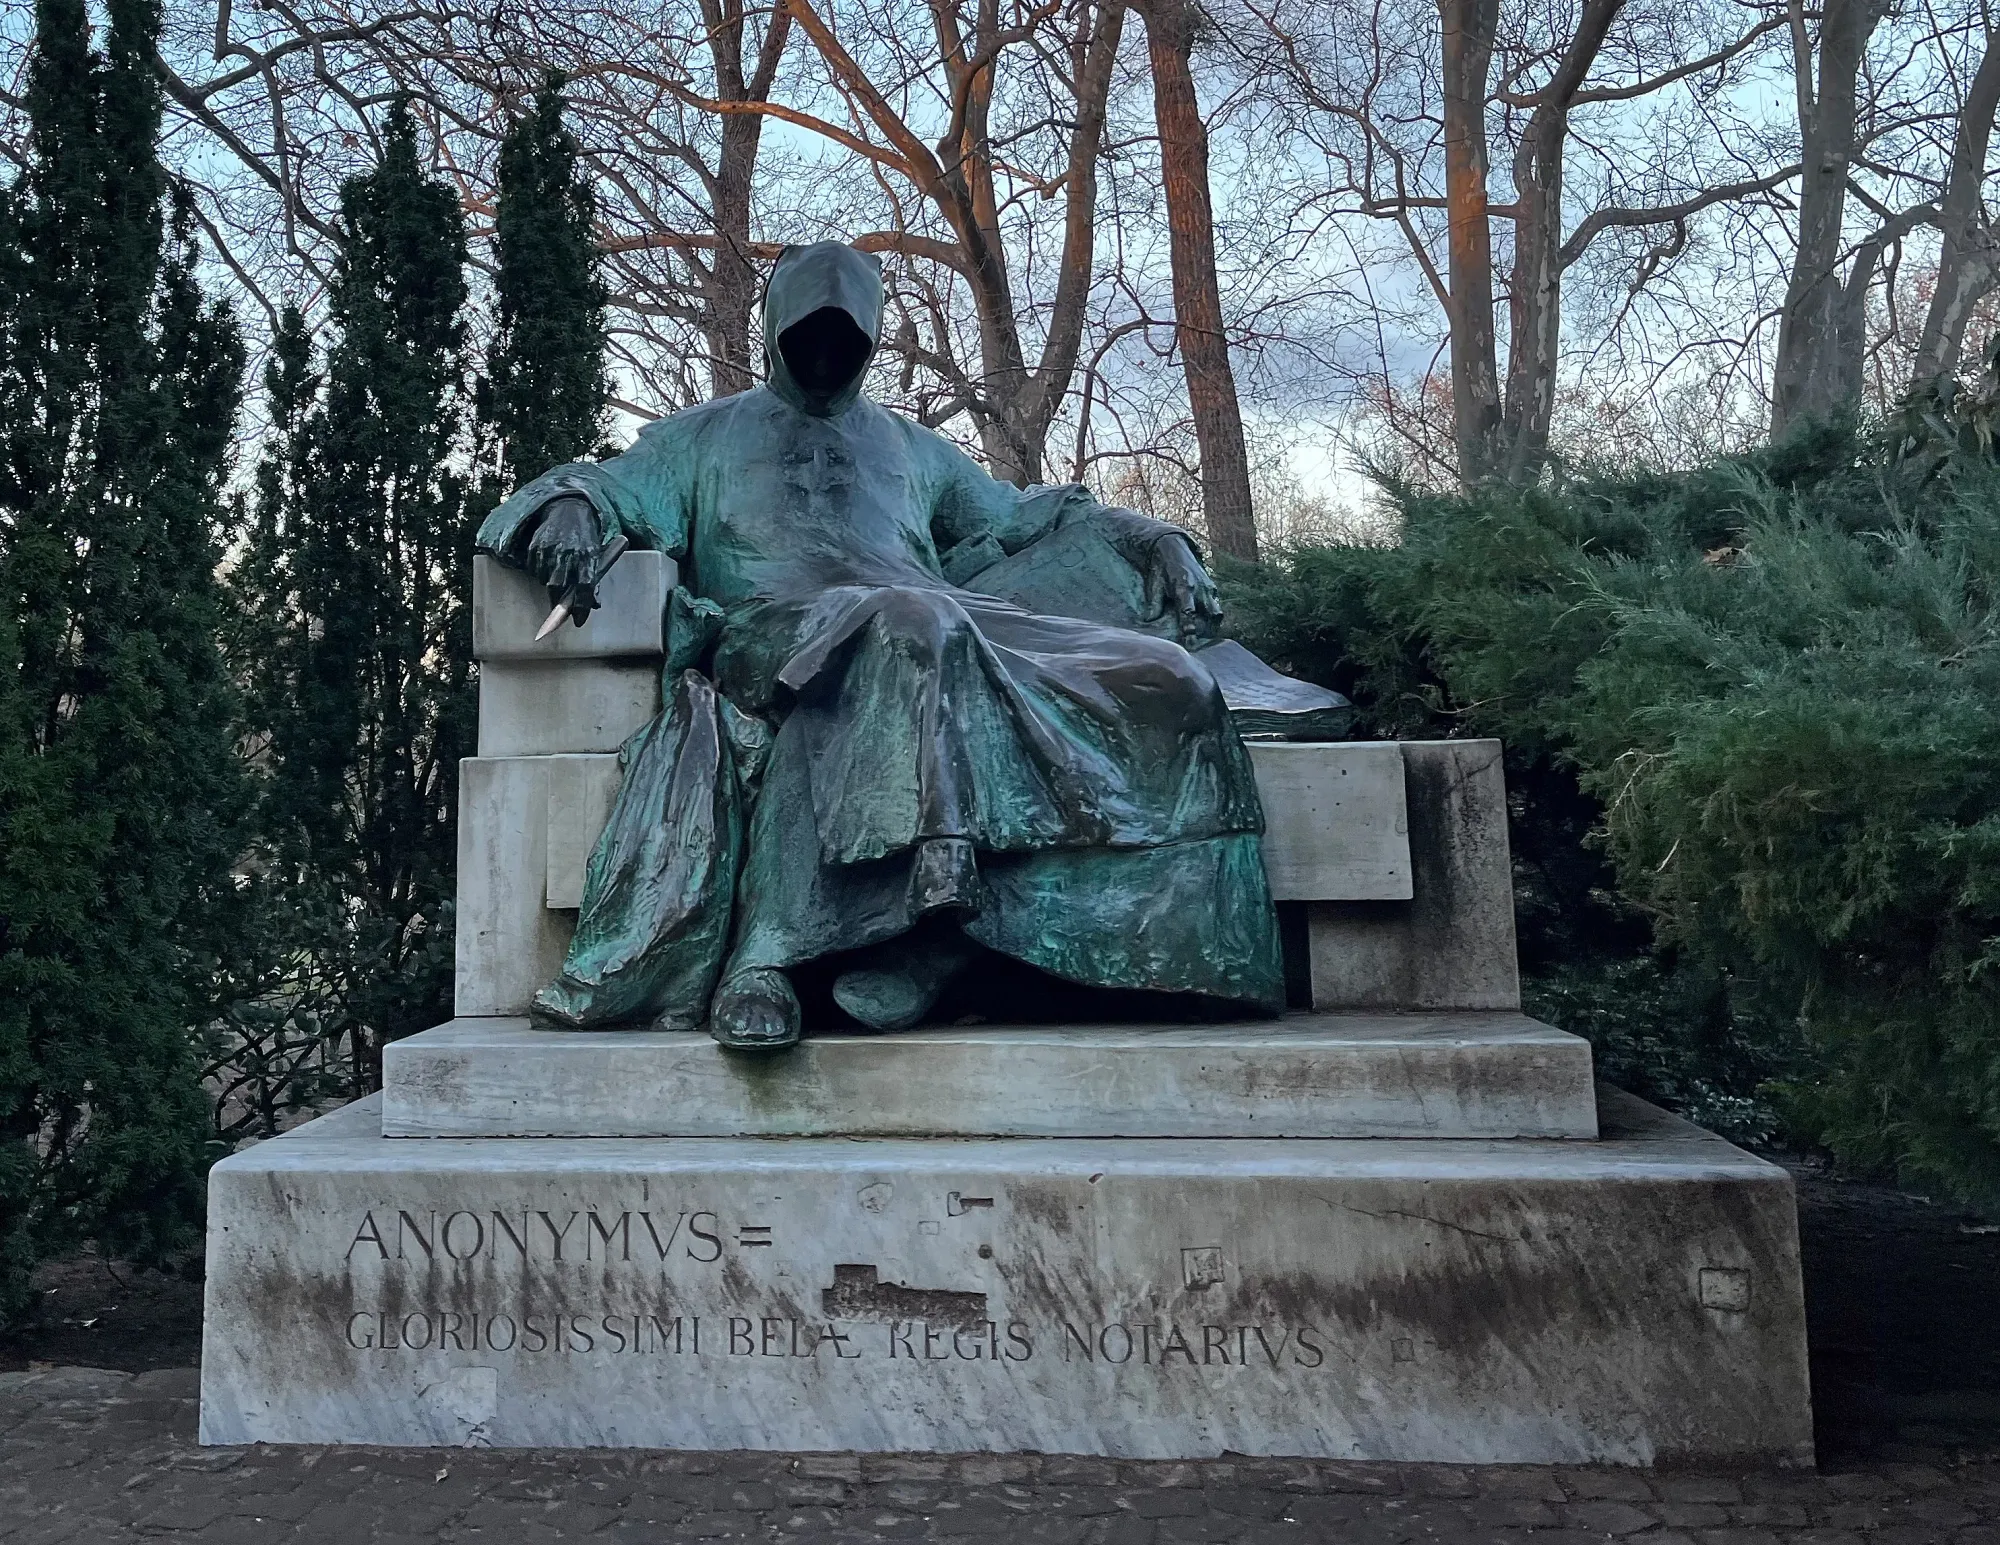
1332 1511
176 1383
1074 1470
1675 1487
1508 1481
1200 1530
1240 1501
1438 1481
1280 1532
1385 1480
1706 1515
992 1469
1607 1485
1604 1518
833 1467
110 1469
1914 1476
1168 1502
809 1521
903 1467
1941 1511
1860 1483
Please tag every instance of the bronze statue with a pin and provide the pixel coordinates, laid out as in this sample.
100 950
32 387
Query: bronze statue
912 713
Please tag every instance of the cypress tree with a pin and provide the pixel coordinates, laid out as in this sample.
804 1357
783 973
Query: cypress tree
279 1047
548 388
120 792
367 571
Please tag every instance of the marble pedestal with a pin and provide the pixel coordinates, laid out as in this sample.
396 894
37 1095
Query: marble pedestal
1363 1232
1631 1300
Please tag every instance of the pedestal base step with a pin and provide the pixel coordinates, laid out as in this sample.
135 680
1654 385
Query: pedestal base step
1631 1301
1307 1075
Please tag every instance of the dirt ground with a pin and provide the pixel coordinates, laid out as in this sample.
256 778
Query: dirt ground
1902 1301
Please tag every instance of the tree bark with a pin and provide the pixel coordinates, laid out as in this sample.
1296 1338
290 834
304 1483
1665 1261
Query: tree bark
1534 300
730 282
1198 326
1469 27
1818 365
1969 265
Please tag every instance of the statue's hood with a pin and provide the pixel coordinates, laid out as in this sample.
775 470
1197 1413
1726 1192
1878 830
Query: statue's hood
828 276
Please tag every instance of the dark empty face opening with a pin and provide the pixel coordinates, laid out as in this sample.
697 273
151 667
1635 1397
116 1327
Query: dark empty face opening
824 351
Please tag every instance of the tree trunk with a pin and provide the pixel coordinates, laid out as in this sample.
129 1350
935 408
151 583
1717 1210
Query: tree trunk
732 279
1198 329
1475 378
1969 265
730 283
1818 366
1534 299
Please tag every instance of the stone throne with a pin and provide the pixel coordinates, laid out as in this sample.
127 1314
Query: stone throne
1401 1223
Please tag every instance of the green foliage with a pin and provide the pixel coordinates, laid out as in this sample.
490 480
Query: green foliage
1772 680
357 652
120 794
546 380
352 639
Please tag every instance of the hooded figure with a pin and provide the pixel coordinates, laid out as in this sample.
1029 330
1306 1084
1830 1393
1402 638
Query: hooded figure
877 760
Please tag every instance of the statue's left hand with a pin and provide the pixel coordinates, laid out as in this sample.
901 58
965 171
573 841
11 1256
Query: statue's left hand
1178 585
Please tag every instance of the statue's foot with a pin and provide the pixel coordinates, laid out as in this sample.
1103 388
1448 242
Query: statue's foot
904 983
755 1011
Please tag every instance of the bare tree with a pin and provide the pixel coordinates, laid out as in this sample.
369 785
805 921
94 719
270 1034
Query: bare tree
1407 116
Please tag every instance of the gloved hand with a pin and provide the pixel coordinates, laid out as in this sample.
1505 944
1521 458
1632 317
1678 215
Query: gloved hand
563 552
1178 586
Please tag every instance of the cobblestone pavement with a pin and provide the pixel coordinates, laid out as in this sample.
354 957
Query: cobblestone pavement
89 1456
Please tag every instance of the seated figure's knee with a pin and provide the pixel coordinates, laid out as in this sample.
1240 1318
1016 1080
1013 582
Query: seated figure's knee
926 620
1165 682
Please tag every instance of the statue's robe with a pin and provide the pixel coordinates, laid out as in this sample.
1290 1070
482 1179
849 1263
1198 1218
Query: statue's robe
1073 792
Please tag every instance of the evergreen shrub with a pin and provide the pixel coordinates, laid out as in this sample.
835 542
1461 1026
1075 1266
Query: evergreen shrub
121 795
1750 711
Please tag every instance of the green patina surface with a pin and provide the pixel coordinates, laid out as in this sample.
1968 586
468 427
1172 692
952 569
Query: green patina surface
861 732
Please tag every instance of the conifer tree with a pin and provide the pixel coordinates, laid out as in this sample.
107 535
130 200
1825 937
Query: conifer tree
367 569
546 367
120 791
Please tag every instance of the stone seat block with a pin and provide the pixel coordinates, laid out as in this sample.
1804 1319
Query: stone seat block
1307 1075
508 607
1335 824
1451 944
526 825
1631 1301
554 707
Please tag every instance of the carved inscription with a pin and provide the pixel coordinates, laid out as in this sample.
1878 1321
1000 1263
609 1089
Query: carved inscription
861 1315
534 1234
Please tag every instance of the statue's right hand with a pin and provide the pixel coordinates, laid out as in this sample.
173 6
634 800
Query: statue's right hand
563 551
